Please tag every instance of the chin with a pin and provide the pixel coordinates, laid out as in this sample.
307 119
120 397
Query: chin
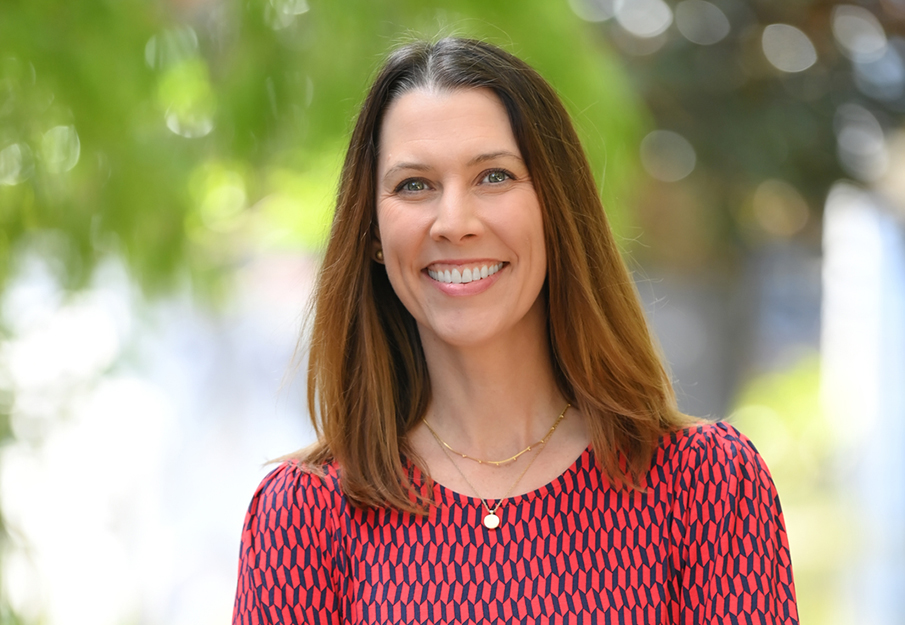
497 325
472 334
462 338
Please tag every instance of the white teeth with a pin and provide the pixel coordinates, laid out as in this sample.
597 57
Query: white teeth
467 275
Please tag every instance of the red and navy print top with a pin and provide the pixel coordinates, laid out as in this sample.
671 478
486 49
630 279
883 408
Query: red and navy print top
705 543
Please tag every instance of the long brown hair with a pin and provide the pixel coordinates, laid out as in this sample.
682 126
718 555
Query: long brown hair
368 383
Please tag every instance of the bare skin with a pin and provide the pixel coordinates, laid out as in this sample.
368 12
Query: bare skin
455 194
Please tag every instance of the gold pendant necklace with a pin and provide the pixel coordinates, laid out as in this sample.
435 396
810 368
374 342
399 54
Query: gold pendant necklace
491 521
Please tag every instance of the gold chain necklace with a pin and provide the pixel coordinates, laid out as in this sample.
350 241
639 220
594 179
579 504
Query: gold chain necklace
491 520
500 463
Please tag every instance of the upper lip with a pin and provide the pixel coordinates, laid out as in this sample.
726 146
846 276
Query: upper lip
457 263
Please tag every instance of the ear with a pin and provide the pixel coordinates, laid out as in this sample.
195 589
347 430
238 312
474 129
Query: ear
376 248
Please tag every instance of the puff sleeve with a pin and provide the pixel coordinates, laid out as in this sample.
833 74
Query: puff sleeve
286 566
734 555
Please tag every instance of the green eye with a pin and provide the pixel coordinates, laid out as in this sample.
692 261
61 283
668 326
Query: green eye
496 177
412 186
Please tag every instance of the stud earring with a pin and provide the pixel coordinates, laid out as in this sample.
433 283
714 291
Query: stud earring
378 256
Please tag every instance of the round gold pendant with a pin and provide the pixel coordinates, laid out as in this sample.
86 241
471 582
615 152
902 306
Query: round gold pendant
491 521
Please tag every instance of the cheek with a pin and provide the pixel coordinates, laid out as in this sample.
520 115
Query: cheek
400 239
401 234
537 246
521 228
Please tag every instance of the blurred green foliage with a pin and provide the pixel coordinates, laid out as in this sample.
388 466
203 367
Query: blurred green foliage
189 136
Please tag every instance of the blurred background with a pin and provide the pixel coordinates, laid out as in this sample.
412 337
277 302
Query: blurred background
167 169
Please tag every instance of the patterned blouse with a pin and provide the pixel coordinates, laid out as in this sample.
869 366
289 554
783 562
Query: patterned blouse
704 543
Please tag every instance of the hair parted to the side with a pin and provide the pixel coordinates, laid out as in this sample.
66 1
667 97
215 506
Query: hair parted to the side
368 383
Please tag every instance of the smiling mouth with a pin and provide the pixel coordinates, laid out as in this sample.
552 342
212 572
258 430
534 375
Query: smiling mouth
470 274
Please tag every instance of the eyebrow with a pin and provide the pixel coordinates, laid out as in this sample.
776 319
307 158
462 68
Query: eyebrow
480 158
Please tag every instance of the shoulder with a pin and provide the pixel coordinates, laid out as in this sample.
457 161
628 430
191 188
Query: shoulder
294 494
712 453
707 443
287 560
292 476
728 530
721 490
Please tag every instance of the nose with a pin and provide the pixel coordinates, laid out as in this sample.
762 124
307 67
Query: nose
456 218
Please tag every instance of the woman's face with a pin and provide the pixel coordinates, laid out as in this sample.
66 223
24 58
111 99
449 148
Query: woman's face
459 221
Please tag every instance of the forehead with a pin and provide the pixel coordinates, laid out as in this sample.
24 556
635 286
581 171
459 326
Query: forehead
439 122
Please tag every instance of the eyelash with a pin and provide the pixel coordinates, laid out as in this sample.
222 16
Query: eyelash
400 188
497 171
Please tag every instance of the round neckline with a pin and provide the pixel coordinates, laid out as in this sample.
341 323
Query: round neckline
584 459
448 494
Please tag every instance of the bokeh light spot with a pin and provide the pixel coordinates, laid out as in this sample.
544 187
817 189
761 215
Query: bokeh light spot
593 10
667 155
15 164
644 18
186 95
860 142
60 148
171 47
883 78
787 48
221 197
779 208
859 34
189 124
280 14
701 22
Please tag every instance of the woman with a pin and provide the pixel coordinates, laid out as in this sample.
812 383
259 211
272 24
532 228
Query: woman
497 438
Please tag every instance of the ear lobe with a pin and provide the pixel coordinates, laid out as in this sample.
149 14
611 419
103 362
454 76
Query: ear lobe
377 251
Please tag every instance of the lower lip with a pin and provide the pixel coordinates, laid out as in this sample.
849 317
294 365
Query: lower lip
472 288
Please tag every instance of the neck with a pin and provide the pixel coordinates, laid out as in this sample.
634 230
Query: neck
492 400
